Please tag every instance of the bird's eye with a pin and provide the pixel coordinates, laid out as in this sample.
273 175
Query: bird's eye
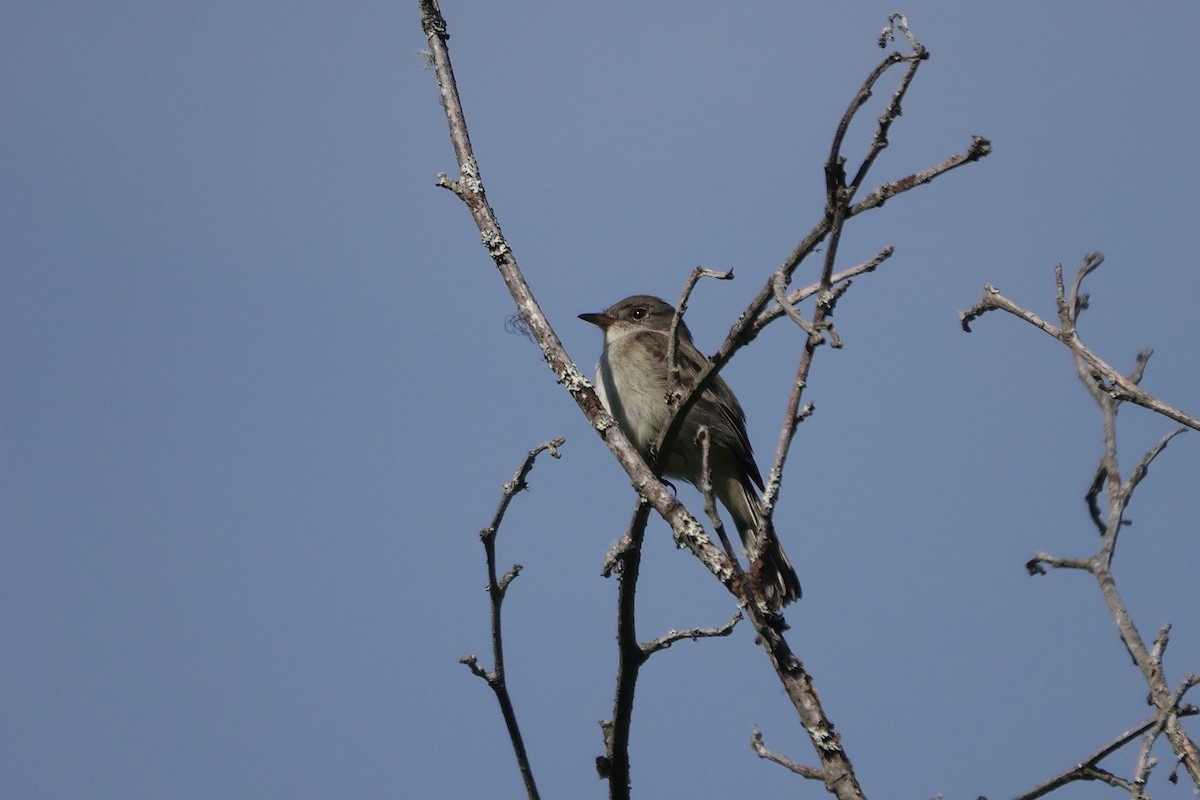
639 312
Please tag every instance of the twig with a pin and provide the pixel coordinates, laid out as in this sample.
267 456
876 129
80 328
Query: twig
1109 379
1034 565
681 307
614 766
797 296
1109 388
1084 769
880 141
979 148
497 588
710 503
756 743
1143 466
779 284
671 637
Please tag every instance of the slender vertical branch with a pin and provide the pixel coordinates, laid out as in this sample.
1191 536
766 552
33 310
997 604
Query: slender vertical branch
614 764
497 587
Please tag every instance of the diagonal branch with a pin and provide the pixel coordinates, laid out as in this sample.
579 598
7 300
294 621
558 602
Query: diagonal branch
1107 378
757 744
1088 768
469 188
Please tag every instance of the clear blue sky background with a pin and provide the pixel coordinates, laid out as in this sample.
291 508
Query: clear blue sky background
258 396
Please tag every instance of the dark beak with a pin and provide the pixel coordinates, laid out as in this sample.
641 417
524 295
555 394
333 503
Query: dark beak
601 320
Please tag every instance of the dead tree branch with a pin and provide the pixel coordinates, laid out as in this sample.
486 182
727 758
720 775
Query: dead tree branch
671 637
1109 388
1088 769
757 745
497 588
469 188
1103 377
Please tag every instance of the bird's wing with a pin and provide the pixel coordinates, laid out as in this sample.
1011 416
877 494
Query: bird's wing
721 401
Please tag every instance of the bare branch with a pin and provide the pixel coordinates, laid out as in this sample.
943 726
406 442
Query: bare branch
469 188
518 484
880 141
1034 565
1143 466
1139 367
710 503
671 637
756 743
799 295
681 307
497 588
1087 769
1160 643
993 300
898 22
1109 388
471 661
779 285
1106 378
614 765
1145 761
889 115
980 148
1079 301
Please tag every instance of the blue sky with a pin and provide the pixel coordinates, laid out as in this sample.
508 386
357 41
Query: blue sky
259 398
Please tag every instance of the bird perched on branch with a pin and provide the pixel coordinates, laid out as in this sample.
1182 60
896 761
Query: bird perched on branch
633 382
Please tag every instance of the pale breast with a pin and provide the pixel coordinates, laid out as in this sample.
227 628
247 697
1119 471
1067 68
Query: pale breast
633 394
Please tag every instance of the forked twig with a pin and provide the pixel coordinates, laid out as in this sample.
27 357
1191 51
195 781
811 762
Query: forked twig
1109 388
756 743
497 588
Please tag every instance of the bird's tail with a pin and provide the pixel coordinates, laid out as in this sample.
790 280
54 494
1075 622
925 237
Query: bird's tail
776 576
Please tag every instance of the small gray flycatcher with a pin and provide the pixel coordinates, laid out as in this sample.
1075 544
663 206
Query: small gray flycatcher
632 381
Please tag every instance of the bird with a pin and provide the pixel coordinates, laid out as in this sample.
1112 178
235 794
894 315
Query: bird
633 382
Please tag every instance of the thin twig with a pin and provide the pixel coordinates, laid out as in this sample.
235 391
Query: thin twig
1109 379
1109 388
671 637
673 339
756 744
710 503
1082 770
1034 565
497 588
779 284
